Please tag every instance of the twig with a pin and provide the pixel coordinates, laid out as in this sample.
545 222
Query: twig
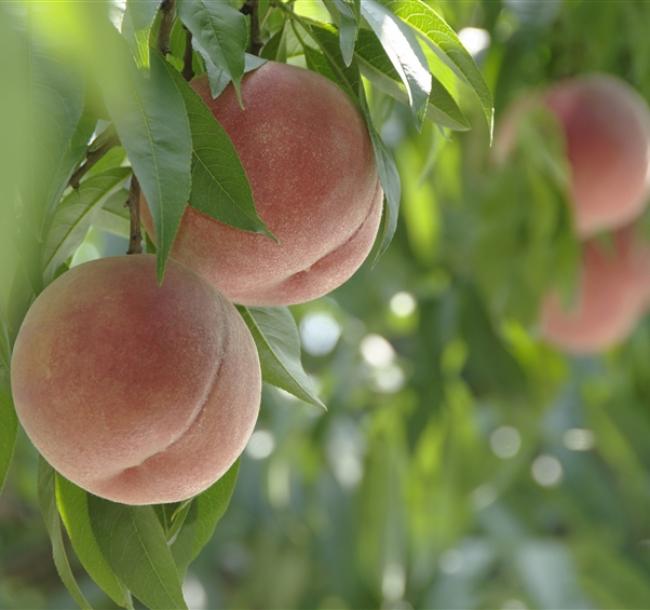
133 203
188 71
166 23
92 157
251 7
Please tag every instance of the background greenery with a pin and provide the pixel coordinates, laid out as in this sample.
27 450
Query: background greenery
461 463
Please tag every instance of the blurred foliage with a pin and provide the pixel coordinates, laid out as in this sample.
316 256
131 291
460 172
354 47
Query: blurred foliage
462 463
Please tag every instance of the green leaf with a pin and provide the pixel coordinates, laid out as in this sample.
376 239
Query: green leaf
75 214
200 518
219 34
348 30
114 215
276 47
278 344
134 544
219 79
136 27
152 123
47 502
8 427
377 67
220 187
325 37
391 185
437 33
404 52
60 129
72 503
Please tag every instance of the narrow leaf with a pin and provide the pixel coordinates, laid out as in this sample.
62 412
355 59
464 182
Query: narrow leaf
220 187
219 79
72 503
391 185
8 428
377 67
403 50
201 518
136 27
278 344
219 34
152 123
114 215
47 502
437 33
75 214
134 545
348 30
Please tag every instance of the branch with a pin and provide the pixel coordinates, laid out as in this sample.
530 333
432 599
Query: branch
167 9
93 155
251 7
133 203
188 71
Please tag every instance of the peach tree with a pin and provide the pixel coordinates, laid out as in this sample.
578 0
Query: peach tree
100 117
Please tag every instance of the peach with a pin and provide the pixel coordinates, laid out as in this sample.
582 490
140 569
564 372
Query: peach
611 296
136 392
306 151
606 128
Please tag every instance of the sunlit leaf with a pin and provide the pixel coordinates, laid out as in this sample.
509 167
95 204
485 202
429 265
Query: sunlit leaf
403 50
434 29
136 27
376 66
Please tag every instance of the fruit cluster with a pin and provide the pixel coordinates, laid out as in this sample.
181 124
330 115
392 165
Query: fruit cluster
606 130
144 393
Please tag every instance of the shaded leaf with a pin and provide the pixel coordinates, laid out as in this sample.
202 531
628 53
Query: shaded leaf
404 52
200 517
72 503
348 29
219 79
220 187
136 27
47 502
219 34
134 545
75 214
114 215
8 427
278 344
391 185
152 123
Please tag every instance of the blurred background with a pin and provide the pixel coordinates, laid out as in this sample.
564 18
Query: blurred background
462 462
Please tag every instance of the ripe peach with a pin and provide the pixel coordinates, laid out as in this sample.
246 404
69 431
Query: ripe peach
138 393
309 160
606 127
611 296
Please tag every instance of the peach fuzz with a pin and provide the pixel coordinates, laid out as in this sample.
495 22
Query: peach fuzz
308 156
138 393
612 295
